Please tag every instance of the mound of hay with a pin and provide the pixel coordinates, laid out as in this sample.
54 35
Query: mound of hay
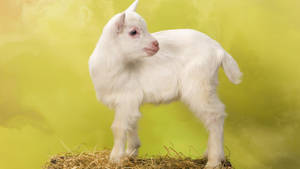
99 160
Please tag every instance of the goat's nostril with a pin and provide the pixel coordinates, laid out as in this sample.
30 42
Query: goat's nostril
155 43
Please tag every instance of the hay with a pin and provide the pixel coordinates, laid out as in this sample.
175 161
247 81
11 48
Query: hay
99 160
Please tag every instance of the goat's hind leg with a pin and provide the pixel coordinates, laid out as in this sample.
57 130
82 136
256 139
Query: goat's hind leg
210 110
215 150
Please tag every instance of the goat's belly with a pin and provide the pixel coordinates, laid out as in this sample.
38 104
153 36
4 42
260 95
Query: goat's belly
160 91
159 79
162 97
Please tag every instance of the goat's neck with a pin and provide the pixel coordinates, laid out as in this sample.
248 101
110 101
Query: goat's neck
111 61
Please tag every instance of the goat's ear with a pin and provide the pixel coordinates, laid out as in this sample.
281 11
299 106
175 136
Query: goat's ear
120 22
133 6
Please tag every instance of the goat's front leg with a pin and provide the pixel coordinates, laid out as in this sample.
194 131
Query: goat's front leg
133 141
124 119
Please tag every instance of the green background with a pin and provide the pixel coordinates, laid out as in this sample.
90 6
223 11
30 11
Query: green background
48 104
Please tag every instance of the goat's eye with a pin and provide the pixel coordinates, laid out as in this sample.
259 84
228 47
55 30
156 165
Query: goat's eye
133 32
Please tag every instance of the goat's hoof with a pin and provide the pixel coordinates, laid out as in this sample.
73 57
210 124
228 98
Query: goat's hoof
213 166
116 158
131 153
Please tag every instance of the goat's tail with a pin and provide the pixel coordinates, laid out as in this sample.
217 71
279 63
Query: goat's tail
231 68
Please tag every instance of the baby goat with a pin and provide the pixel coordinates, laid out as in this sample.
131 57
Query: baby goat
130 66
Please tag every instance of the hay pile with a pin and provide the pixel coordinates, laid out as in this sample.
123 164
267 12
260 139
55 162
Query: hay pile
99 160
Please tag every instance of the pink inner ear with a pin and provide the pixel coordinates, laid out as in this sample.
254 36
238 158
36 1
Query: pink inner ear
120 23
119 28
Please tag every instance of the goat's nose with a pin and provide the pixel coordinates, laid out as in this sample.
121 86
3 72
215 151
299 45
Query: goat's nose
155 43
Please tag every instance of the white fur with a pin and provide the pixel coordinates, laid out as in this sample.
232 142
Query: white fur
185 68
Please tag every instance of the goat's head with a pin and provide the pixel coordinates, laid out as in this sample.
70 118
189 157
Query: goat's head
129 35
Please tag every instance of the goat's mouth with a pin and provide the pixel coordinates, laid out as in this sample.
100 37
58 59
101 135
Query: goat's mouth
151 51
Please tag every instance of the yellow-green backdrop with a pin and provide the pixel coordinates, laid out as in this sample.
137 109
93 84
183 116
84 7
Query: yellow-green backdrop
48 105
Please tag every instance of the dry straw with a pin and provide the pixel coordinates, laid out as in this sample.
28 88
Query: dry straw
99 160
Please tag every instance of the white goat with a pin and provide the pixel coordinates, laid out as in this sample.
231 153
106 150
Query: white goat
130 66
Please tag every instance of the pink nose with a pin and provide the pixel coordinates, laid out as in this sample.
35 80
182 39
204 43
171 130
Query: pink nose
155 43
